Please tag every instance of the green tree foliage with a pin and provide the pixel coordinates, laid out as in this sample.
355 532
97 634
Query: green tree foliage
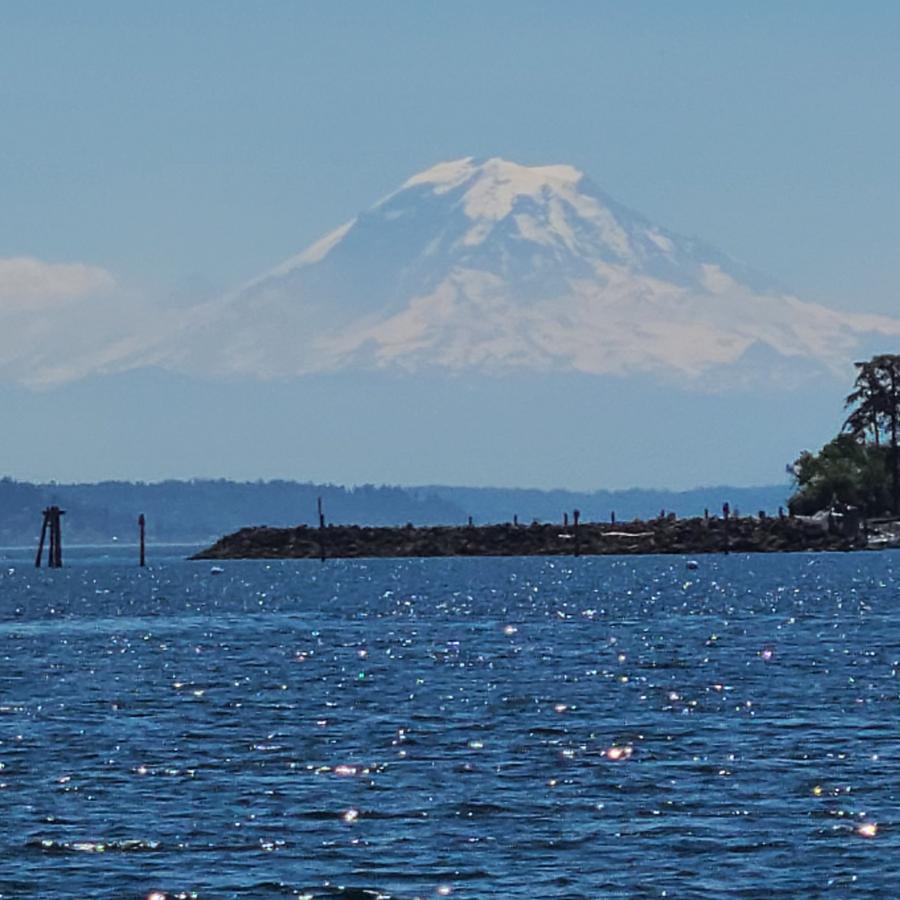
875 408
845 472
861 466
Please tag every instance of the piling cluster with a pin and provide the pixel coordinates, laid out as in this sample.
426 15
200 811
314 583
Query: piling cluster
52 525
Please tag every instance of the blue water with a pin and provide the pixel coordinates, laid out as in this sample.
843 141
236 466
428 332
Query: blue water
607 727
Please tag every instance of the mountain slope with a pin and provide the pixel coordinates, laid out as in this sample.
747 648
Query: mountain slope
497 267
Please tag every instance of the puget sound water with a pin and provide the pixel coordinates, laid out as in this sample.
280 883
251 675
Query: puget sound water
542 727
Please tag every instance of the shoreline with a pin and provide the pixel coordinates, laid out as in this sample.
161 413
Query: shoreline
639 537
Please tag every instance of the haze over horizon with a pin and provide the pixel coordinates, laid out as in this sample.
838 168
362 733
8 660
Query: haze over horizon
501 316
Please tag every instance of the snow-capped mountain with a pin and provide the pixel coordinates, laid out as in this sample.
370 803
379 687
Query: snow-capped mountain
499 267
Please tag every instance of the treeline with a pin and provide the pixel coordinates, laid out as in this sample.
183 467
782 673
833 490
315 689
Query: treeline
203 510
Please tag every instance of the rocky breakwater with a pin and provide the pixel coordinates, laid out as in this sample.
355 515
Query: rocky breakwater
664 535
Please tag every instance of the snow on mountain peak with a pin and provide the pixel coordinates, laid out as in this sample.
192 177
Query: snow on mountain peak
493 186
444 176
496 266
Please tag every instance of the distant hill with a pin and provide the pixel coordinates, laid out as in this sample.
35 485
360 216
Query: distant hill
501 504
202 510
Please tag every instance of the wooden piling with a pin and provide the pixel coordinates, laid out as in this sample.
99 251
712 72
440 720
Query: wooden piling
726 512
52 528
576 520
142 522
57 524
51 539
40 550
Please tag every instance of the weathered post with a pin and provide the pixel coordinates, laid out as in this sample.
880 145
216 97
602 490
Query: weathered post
40 551
612 517
141 526
576 516
565 520
726 512
515 520
52 525
54 535
57 516
51 543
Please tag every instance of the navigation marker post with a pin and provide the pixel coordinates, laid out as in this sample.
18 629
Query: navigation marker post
51 525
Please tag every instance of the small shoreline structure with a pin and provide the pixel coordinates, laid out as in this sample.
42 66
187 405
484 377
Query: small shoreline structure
666 534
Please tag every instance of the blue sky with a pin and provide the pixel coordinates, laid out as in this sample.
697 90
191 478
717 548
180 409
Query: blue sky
178 149
187 146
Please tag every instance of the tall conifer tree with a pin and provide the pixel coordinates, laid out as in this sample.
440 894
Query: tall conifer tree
875 405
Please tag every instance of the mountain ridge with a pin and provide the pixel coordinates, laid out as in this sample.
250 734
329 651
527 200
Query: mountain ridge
496 267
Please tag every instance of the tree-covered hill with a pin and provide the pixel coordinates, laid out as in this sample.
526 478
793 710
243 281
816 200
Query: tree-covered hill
202 510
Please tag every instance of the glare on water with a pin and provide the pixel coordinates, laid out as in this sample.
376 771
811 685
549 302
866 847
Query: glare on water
516 727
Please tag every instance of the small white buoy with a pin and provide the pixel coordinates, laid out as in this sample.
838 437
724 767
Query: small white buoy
692 564
216 570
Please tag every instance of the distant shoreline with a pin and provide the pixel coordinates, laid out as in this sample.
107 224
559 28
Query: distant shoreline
665 535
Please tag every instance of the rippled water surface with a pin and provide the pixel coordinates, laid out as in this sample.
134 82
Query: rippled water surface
603 727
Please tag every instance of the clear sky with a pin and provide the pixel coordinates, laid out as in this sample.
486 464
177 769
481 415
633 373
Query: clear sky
188 146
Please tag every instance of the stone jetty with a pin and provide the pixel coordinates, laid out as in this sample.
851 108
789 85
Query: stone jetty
662 535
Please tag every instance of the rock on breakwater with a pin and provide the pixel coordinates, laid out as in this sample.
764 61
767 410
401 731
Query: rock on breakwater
665 535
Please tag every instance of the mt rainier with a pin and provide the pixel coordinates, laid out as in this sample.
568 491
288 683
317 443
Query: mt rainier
497 267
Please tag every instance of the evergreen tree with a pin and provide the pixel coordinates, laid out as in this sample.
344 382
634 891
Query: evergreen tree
875 405
845 472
